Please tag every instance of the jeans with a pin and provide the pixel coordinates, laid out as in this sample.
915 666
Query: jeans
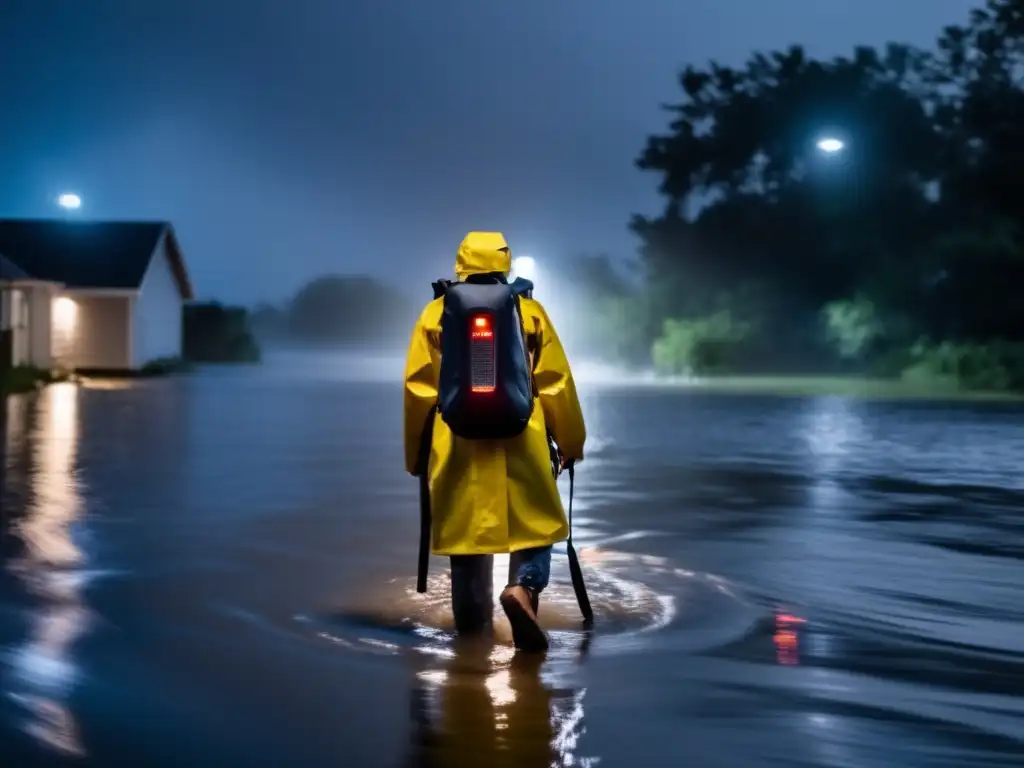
473 584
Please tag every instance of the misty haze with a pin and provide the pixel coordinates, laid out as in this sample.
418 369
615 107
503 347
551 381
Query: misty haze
743 489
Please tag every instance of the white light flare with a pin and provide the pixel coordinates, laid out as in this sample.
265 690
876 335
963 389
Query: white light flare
830 145
65 315
524 267
69 201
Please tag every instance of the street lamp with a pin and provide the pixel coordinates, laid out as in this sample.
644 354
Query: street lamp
524 267
69 201
830 145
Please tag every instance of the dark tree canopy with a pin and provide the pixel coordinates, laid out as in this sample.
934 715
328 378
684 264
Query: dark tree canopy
338 309
918 214
348 309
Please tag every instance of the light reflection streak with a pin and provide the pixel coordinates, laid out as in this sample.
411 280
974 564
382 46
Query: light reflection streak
834 428
44 671
493 706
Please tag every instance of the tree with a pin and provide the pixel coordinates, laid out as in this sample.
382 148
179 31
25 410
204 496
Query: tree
699 346
214 333
749 196
852 325
912 231
349 309
268 322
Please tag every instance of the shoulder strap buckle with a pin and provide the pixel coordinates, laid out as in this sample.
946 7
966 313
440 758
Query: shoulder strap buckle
441 287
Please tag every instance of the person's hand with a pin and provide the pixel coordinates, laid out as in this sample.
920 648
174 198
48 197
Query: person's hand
563 463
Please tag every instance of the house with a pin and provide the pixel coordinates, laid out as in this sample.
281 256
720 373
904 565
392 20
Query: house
90 295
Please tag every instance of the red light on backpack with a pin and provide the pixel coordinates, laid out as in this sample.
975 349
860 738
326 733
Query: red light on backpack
481 354
482 327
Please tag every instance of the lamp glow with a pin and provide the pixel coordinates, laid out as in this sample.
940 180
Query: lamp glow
524 267
70 201
65 315
830 145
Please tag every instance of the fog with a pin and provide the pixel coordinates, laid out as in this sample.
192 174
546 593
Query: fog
369 365
324 328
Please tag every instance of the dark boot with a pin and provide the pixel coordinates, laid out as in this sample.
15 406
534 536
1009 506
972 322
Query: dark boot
473 593
518 603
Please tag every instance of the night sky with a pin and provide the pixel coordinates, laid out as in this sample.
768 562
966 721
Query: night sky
290 138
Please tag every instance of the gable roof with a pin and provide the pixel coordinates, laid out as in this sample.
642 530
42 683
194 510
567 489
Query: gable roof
11 271
90 254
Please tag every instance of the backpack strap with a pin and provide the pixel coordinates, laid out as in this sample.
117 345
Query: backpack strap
523 288
441 287
579 587
575 572
426 514
531 346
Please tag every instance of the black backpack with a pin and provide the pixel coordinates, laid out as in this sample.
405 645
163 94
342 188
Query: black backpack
485 388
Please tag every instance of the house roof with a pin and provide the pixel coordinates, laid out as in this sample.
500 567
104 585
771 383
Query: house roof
11 271
90 254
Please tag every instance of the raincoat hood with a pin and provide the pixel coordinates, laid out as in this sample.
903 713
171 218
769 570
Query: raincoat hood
483 252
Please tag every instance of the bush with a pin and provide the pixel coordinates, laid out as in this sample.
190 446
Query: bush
994 367
852 326
19 379
213 333
163 366
700 346
25 378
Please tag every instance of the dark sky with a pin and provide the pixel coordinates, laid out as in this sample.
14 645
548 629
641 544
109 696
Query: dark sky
289 138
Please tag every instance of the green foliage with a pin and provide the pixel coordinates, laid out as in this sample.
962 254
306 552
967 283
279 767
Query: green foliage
993 367
912 230
162 366
852 326
25 378
22 378
700 346
213 333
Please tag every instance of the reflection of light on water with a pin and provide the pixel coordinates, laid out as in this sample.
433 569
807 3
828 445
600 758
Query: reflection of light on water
833 429
109 384
54 725
570 728
833 426
43 661
787 641
484 703
499 686
56 501
44 670
15 437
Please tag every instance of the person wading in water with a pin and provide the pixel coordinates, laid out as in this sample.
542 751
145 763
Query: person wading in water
487 386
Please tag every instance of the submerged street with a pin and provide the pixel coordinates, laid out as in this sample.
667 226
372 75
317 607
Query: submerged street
219 569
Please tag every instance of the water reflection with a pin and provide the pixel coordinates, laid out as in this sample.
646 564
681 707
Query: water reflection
48 561
787 638
483 704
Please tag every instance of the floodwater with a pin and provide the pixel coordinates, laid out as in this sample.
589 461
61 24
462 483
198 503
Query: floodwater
219 570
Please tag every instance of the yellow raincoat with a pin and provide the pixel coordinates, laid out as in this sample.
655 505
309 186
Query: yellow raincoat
493 496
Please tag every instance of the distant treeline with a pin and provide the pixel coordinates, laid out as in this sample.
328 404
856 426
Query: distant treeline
213 333
859 214
335 310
